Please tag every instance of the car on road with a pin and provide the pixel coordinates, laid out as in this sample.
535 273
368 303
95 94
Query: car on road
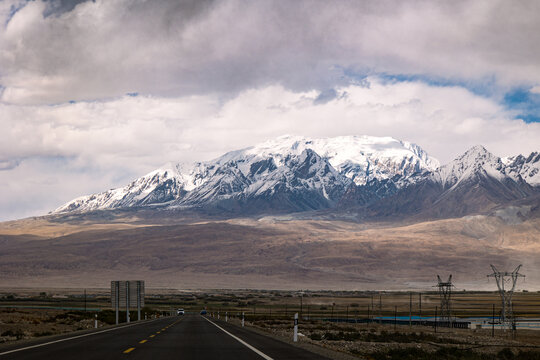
203 312
180 312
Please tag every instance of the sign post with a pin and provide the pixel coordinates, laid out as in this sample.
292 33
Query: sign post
127 301
117 299
128 294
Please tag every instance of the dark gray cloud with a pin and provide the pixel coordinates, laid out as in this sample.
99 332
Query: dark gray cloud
213 76
101 49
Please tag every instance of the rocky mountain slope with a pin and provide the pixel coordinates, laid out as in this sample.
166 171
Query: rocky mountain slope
380 176
475 182
286 174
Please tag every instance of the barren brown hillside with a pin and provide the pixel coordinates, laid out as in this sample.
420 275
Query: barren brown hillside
266 253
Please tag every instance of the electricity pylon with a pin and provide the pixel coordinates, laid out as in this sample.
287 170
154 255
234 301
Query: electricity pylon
502 278
445 294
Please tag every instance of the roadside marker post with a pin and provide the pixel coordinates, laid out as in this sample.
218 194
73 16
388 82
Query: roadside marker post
242 319
95 322
226 316
295 334
218 315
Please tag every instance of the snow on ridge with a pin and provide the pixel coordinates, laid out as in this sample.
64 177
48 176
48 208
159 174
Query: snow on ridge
361 158
476 159
357 158
131 194
526 167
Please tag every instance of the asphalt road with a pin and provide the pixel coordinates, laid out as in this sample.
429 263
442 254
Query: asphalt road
186 337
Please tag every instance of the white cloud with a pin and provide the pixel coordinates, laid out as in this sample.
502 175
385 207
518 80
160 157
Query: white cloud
68 150
216 76
105 49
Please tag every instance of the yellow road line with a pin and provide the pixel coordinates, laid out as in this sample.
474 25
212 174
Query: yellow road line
129 350
74 337
152 335
159 332
143 341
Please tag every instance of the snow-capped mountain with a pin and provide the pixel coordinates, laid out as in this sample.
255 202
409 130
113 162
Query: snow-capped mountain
291 172
474 182
474 161
159 186
526 167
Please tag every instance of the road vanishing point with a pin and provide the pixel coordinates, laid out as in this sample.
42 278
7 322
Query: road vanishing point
187 337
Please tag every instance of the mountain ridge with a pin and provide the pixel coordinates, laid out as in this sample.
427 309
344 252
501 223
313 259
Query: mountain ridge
295 174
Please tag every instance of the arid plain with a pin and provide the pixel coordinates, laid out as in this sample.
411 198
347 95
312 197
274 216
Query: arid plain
266 253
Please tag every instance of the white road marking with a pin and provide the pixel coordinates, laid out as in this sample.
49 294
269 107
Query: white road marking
240 340
71 338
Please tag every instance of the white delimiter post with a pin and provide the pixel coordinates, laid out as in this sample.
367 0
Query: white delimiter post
95 322
242 319
226 316
295 335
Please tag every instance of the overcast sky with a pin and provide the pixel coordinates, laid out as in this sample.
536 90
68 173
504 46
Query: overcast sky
96 93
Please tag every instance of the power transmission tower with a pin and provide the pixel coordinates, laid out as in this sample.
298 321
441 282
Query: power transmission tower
445 294
502 278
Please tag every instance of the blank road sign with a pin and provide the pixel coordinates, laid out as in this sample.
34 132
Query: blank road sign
135 293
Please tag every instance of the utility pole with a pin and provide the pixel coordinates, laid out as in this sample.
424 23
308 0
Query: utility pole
420 304
493 322
502 278
410 310
301 298
435 319
380 308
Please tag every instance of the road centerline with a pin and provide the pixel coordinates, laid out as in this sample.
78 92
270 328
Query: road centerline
257 351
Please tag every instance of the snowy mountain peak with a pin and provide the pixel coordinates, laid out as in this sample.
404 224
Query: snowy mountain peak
314 172
156 187
477 160
526 167
360 158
